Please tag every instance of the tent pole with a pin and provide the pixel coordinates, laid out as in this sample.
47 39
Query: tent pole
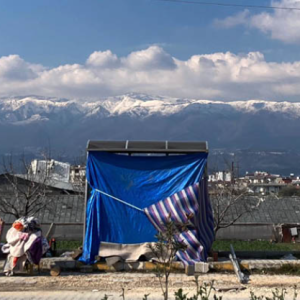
85 200
206 165
84 215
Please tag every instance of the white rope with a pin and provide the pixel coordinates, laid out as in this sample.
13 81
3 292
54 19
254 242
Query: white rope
126 203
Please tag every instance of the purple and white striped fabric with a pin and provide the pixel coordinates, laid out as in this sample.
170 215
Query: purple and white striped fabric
190 206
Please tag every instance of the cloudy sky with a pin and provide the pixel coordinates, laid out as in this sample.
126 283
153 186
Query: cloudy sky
97 48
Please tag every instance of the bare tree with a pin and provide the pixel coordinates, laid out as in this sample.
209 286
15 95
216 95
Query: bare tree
230 202
164 251
23 192
231 198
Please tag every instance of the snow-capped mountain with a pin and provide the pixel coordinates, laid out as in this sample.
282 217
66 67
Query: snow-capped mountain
30 122
14 110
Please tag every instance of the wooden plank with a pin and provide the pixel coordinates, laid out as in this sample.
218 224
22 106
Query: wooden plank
2 223
49 231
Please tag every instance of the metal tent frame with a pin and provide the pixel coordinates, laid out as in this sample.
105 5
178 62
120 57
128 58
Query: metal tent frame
142 148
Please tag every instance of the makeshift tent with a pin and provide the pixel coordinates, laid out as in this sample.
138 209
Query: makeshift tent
133 196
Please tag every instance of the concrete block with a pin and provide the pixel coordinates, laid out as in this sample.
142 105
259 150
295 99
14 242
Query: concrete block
110 261
119 266
141 266
201 267
100 266
190 270
132 266
46 264
177 265
69 265
86 269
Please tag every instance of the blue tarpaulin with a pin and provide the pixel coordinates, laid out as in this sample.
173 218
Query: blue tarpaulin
138 180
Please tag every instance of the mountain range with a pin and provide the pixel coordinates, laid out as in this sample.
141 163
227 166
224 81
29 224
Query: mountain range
261 134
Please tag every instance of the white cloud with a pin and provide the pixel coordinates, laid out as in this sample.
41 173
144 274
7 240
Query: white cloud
240 18
152 58
219 76
279 24
105 59
14 68
282 25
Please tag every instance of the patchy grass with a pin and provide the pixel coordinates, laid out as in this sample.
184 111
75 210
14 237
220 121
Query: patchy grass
221 245
68 245
288 269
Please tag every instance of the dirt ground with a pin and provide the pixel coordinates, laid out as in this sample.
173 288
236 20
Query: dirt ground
141 283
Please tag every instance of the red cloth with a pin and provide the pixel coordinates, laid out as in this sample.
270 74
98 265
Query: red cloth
18 226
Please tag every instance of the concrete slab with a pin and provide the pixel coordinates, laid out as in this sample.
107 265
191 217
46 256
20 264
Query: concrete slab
69 265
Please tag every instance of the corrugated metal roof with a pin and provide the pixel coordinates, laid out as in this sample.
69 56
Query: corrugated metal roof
62 209
70 209
271 210
62 185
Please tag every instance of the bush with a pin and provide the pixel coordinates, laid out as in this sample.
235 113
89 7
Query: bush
289 192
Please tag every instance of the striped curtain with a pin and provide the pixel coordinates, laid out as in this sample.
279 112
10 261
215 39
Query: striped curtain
190 207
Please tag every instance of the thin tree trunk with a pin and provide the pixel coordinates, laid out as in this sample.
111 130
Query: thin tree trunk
167 288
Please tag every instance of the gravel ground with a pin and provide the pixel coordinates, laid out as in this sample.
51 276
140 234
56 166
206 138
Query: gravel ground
94 286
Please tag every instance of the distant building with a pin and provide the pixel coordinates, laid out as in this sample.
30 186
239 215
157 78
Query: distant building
263 177
77 174
51 169
287 180
53 186
296 181
58 171
266 188
224 176
258 182
264 183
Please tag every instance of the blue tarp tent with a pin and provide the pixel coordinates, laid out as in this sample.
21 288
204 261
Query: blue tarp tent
122 187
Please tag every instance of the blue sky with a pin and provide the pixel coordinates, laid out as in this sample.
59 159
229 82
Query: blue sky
67 31
56 33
